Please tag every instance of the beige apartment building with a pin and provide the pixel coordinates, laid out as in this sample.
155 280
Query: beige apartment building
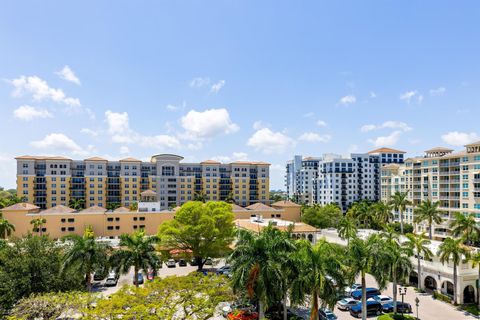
441 175
51 181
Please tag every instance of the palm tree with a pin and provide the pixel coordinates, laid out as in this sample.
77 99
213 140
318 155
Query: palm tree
133 206
455 251
399 203
419 245
77 204
383 213
475 259
6 228
395 258
347 228
138 251
465 226
428 211
112 206
363 211
85 255
38 224
321 276
258 264
200 196
362 259
229 199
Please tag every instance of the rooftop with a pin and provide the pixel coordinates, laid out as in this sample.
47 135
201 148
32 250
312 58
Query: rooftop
386 150
256 225
21 206
285 203
59 209
260 207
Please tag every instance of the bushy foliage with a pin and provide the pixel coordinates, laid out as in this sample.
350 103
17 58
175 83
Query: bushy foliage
407 228
322 217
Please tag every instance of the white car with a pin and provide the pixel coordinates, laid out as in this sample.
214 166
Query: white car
346 304
353 287
383 299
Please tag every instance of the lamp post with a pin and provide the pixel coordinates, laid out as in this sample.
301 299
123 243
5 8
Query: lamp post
417 302
403 292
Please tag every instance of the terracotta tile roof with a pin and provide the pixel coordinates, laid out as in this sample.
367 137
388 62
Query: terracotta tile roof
386 150
42 158
21 206
148 193
96 159
473 144
122 209
94 209
257 227
130 159
210 162
59 209
250 162
391 166
439 149
285 203
236 207
260 207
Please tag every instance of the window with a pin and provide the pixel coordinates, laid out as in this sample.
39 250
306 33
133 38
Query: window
71 220
109 227
71 228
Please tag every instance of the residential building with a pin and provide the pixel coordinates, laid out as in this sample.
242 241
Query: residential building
300 179
50 181
450 178
62 220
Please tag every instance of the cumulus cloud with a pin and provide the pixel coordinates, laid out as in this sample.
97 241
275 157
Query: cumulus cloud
90 132
315 137
387 124
124 150
456 138
257 125
268 141
386 141
199 82
28 113
438 91
67 74
411 95
346 100
58 142
217 86
40 90
236 156
321 123
208 123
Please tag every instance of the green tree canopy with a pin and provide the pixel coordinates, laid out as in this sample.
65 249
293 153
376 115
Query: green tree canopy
207 229
322 217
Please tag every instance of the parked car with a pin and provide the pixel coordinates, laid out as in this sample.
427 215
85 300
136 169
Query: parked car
275 312
326 314
357 294
208 262
99 274
206 271
401 307
383 299
139 279
182 263
170 263
353 287
224 270
193 262
373 308
346 303
112 279
151 275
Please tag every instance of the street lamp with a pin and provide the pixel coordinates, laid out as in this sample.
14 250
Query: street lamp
417 302
403 292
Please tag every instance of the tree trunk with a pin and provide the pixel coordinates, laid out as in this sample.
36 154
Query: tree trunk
419 284
285 306
401 221
261 314
135 275
200 263
314 311
455 283
430 232
394 284
478 287
88 281
364 297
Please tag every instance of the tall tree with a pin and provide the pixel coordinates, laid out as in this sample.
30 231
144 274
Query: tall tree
138 251
258 264
200 196
322 217
475 259
77 204
38 224
113 205
347 228
85 254
399 203
6 228
465 226
383 213
321 276
428 211
454 251
420 247
362 258
363 211
207 229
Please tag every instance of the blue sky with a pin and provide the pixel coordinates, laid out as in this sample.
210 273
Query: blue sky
257 80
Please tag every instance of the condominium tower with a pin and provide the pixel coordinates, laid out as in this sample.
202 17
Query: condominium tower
50 181
450 178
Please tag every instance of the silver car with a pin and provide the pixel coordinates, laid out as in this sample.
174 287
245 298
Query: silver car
346 304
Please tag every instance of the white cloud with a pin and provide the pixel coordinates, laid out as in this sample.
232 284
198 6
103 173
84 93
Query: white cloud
350 99
199 82
217 86
28 113
67 74
408 96
257 125
386 141
171 107
315 137
58 142
159 142
236 156
90 132
321 123
268 141
309 114
387 124
373 95
438 92
40 90
456 138
208 123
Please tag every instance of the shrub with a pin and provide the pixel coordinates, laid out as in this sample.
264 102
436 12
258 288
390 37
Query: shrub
442 297
407 228
391 316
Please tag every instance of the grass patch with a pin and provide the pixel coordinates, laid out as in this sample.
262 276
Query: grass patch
473 309
391 316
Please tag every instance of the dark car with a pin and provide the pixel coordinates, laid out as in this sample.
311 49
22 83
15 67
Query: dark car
326 314
371 292
193 262
275 312
139 279
182 263
373 308
402 307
